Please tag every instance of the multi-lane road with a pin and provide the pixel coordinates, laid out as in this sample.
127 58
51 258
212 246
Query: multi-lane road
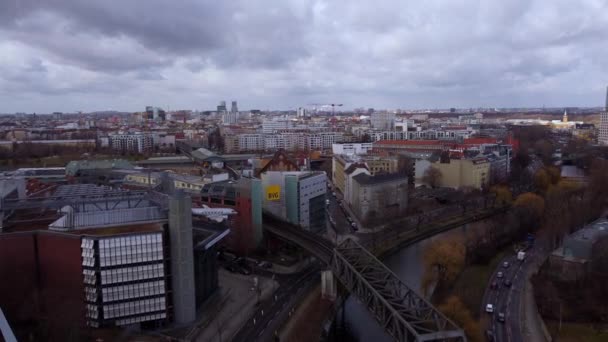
506 299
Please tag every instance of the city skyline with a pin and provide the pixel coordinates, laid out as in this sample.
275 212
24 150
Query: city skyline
120 56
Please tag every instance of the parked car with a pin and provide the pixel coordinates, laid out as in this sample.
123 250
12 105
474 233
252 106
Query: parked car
489 308
500 275
505 264
507 283
501 317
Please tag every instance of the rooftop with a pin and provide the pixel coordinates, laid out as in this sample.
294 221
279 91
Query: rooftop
592 232
378 179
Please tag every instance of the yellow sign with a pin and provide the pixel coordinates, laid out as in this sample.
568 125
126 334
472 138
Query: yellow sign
273 192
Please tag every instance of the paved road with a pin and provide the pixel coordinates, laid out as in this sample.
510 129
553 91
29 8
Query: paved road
507 300
272 312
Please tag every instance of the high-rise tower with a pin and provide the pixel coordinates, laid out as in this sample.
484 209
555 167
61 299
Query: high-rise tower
602 138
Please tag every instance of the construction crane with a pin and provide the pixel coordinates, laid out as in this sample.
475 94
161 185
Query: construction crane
332 105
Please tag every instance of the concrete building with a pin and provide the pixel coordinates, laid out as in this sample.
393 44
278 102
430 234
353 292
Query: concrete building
100 267
383 120
572 261
301 197
132 142
245 197
352 148
379 197
459 173
272 126
602 138
351 171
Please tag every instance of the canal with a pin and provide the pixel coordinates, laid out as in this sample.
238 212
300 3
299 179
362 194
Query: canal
407 265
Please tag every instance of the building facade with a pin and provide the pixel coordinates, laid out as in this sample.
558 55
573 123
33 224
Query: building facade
132 142
301 197
375 198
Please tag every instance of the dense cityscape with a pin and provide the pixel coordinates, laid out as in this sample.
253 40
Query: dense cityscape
97 209
303 171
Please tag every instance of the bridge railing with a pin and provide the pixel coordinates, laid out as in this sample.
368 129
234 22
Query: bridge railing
404 314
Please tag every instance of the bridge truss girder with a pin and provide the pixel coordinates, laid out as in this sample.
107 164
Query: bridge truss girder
404 314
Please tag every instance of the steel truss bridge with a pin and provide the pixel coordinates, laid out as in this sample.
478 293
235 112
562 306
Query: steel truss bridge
402 312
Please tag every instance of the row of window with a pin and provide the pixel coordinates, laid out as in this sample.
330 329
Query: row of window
130 240
132 320
134 307
122 292
121 275
133 249
130 259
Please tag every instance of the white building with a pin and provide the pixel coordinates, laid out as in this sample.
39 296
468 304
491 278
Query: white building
272 126
352 148
251 142
132 142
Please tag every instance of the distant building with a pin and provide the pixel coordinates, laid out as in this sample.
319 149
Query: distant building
602 138
301 197
352 148
379 197
132 142
234 108
383 120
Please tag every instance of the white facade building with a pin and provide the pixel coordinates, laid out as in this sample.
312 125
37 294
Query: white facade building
124 279
132 142
352 148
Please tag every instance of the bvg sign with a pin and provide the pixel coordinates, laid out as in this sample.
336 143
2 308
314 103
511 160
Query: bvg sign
273 192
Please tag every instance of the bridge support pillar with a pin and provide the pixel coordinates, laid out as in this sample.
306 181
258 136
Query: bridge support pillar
328 285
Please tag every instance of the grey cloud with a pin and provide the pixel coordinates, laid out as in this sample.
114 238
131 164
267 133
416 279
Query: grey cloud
272 54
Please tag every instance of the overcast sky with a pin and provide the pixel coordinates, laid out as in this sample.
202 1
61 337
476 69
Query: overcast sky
69 55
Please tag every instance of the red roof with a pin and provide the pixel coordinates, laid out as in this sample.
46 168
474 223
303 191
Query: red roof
479 141
409 142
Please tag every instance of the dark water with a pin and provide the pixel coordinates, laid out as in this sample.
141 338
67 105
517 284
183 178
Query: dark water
407 265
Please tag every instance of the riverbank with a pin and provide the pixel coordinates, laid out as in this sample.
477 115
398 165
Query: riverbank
574 332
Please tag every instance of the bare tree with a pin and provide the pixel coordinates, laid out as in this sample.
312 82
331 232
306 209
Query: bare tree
432 177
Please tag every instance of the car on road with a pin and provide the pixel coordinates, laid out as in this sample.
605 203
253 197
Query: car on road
501 317
500 275
333 194
327 202
507 283
489 308
265 264
505 264
494 285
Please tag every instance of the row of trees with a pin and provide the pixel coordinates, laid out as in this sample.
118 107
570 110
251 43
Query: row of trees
555 209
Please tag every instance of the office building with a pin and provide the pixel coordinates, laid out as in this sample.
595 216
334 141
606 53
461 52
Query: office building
301 197
602 138
234 108
383 120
